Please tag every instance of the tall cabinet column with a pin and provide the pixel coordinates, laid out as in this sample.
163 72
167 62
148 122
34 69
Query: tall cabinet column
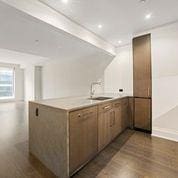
142 81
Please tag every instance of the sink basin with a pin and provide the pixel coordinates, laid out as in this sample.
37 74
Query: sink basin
101 98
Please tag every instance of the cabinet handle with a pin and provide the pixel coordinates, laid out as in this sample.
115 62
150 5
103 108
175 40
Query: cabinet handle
37 112
79 115
106 107
148 91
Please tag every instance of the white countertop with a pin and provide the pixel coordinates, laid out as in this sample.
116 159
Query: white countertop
74 103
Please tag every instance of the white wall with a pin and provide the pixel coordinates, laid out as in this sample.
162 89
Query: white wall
119 73
38 83
19 82
29 83
165 69
165 81
33 83
73 77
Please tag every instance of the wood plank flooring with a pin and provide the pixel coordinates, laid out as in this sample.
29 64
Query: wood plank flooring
132 155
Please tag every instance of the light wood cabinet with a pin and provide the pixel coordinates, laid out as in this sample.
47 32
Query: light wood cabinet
117 119
112 120
142 66
94 128
142 113
142 82
124 114
131 112
83 128
105 117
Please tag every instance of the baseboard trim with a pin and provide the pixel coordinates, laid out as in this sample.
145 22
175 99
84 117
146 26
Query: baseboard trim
165 133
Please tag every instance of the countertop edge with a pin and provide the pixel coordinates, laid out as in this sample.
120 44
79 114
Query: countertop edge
81 107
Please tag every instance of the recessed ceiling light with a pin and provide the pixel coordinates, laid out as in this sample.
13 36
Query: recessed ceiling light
119 41
148 16
100 26
143 1
65 1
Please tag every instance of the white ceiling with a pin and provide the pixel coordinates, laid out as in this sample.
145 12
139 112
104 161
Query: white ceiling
121 19
24 59
22 33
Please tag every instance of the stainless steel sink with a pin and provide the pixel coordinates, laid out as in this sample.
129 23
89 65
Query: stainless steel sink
101 98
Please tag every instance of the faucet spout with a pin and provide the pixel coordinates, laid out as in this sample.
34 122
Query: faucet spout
92 91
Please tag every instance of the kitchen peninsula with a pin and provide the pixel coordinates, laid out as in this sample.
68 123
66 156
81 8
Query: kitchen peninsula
66 133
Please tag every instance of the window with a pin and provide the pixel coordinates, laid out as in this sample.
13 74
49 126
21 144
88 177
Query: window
7 77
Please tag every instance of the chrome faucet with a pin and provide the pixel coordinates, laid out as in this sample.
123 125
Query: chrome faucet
92 91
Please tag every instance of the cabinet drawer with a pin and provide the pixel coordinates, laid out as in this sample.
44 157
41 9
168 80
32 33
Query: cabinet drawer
105 107
142 114
89 111
83 113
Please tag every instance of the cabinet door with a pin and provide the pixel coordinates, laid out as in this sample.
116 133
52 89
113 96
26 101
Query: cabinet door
142 66
124 114
116 121
83 137
104 125
142 114
131 112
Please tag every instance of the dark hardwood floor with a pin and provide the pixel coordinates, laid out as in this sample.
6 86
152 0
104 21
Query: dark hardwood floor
15 161
132 155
